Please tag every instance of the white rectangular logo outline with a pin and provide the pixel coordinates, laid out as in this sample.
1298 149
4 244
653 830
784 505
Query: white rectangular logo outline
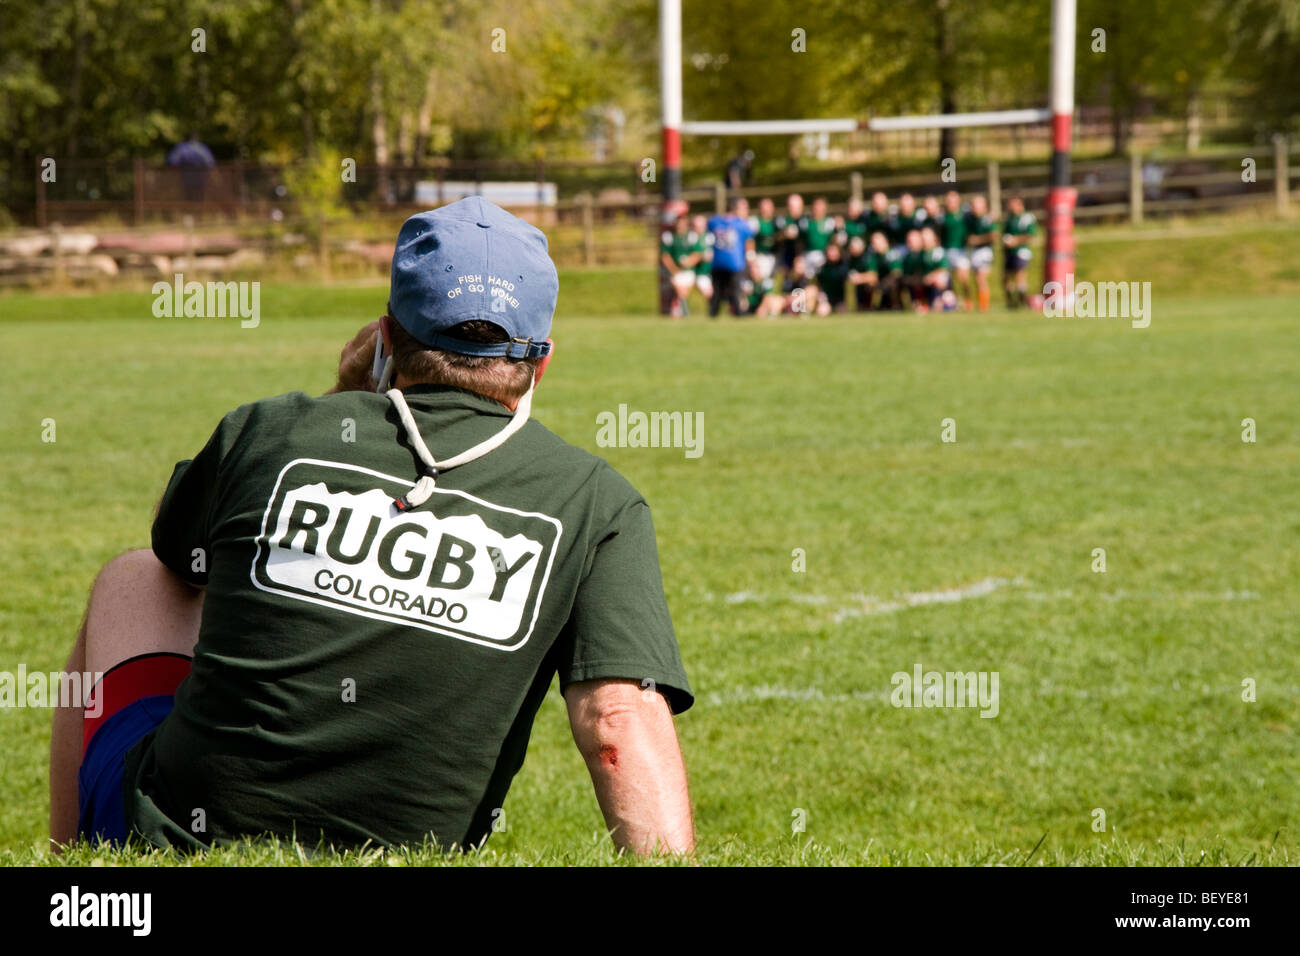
392 619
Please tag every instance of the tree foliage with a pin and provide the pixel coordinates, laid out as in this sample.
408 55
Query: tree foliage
400 81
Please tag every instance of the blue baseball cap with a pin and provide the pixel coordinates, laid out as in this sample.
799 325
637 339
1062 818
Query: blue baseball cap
473 260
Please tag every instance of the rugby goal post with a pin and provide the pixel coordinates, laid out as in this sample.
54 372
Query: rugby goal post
1059 257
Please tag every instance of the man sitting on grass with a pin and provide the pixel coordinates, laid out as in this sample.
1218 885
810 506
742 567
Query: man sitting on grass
355 604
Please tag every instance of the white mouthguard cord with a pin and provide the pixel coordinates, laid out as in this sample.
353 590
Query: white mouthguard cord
424 487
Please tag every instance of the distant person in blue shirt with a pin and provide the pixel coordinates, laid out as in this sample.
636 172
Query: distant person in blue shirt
194 160
733 239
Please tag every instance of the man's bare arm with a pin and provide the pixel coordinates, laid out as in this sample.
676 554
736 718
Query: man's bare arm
627 737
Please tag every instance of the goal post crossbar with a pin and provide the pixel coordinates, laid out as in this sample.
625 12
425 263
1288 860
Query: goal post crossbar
958 120
1061 198
849 125
769 127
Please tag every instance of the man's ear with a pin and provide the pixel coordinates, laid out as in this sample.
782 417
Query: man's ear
543 362
385 330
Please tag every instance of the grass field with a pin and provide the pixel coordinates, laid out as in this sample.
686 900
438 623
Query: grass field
1120 691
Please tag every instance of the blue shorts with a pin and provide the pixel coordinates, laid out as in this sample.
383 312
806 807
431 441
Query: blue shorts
129 707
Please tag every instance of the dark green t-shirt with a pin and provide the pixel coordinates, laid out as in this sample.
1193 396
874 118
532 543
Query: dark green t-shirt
764 235
368 674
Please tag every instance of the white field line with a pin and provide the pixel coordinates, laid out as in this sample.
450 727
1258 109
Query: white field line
1063 442
1046 689
865 604
1125 595
922 598
745 695
755 597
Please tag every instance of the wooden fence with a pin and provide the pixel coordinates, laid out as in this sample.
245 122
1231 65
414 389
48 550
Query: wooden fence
607 230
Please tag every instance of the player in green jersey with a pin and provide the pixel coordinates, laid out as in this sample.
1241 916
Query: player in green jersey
1017 232
906 218
862 276
981 239
878 217
677 260
852 225
760 292
952 235
798 293
832 281
702 245
765 237
887 264
930 214
913 269
925 269
818 233
791 225
938 277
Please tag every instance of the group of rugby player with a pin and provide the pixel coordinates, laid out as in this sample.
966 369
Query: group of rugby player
928 257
